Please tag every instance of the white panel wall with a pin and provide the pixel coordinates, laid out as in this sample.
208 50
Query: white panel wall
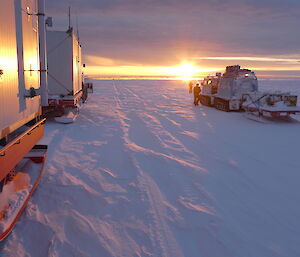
77 65
18 55
60 62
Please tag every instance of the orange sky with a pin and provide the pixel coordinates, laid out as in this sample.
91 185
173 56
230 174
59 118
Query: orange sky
194 67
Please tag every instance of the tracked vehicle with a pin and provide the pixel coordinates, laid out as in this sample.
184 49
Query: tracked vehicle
237 90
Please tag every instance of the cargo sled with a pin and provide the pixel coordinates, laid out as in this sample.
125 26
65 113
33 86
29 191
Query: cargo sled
267 104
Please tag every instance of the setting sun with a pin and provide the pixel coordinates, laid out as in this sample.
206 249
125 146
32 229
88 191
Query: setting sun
186 71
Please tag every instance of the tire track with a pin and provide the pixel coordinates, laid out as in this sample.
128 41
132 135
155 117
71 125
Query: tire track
164 243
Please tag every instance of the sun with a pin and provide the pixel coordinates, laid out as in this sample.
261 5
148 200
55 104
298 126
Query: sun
185 71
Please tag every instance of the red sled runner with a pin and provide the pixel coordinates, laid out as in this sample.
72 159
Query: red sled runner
22 164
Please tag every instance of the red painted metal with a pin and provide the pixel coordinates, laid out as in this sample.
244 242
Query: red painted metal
66 101
57 105
38 157
261 110
15 151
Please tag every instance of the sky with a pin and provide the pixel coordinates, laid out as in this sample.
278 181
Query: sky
173 37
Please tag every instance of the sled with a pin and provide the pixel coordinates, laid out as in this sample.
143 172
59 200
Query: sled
255 116
270 105
22 164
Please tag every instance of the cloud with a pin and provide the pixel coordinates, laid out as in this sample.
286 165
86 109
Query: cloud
147 6
163 32
252 58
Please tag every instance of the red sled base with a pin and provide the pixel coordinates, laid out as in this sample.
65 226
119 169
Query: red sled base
18 187
21 168
58 104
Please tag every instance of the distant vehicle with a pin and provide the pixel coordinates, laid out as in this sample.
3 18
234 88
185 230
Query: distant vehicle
237 90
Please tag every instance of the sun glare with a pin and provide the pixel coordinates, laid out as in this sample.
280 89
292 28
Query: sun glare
185 71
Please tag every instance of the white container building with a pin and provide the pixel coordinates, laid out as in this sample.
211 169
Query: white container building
21 91
65 76
19 64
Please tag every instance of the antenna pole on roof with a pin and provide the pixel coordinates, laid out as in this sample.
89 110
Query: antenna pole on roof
69 17
77 28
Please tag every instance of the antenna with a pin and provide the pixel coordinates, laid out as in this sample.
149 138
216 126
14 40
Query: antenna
77 29
69 17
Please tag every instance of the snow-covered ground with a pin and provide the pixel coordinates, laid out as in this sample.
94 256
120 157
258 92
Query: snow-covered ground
143 172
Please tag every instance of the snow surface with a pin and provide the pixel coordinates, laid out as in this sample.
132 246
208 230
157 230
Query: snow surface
69 117
143 172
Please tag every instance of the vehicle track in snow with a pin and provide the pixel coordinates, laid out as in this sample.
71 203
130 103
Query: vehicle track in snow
164 244
185 195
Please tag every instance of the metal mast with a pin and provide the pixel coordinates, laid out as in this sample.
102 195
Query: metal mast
43 53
